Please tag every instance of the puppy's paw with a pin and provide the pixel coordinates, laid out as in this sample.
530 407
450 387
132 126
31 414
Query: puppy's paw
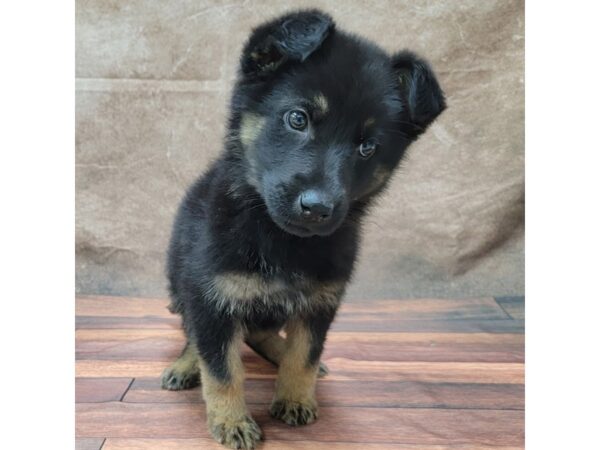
294 413
242 434
176 379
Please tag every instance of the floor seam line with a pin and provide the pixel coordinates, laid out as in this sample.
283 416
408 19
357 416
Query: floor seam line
127 389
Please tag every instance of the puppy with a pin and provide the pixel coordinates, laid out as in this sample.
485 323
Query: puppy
267 238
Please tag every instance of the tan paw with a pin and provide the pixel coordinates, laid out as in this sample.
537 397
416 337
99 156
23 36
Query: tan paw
294 413
242 434
176 379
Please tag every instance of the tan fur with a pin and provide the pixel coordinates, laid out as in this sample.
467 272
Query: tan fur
380 177
369 122
250 128
225 400
188 361
226 411
294 400
296 379
321 103
183 373
328 294
238 292
238 286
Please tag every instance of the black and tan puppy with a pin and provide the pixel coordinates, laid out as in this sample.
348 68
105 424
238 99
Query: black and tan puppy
267 238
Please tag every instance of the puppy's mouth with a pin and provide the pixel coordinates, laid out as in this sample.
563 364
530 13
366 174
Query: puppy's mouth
305 230
297 230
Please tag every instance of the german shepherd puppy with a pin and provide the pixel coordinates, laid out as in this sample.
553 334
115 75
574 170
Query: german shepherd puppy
266 239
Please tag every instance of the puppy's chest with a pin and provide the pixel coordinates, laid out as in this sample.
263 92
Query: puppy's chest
252 292
290 264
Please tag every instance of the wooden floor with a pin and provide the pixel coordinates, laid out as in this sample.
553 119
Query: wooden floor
404 374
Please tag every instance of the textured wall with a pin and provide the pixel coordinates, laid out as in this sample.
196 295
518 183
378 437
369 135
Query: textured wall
153 82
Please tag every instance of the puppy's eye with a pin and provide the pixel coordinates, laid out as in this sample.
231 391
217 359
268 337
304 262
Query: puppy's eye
296 119
367 148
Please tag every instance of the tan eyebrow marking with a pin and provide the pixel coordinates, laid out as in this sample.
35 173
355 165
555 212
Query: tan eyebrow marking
250 128
369 122
321 102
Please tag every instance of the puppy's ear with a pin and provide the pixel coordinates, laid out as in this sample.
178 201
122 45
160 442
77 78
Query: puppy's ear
419 89
292 37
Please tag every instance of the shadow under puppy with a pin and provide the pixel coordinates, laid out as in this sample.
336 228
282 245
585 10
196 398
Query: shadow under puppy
266 239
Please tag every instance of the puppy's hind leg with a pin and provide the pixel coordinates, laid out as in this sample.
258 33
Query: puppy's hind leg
271 346
183 373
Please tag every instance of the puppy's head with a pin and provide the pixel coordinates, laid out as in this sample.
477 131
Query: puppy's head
324 117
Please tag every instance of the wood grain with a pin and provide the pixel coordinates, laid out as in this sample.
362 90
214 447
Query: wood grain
380 425
395 324
89 305
88 443
91 390
271 444
426 374
165 345
399 394
111 322
425 308
349 323
340 369
513 306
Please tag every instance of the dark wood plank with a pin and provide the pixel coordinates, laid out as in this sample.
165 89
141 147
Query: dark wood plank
514 306
135 335
451 372
398 394
414 374
440 347
111 322
88 443
92 390
426 339
424 309
166 345
107 368
349 323
340 369
375 425
427 315
108 306
135 344
148 390
270 444
397 324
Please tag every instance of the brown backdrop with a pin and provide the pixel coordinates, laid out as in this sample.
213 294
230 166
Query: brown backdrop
153 82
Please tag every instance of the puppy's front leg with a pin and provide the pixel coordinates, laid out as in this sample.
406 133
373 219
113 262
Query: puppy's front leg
222 376
294 400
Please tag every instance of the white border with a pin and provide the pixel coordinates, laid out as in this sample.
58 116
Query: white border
37 224
562 230
562 224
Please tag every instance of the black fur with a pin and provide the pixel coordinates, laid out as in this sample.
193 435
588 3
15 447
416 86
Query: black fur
242 216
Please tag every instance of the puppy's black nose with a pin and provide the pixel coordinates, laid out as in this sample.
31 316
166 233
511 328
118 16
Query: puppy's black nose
316 205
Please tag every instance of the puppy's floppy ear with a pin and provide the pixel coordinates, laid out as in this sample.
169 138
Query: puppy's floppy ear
419 89
292 37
